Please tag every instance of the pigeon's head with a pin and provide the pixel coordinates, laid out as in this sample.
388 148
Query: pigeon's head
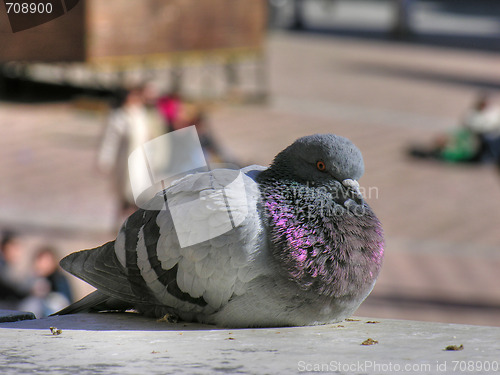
321 158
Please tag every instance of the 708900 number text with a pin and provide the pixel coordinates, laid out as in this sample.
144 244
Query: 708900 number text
25 8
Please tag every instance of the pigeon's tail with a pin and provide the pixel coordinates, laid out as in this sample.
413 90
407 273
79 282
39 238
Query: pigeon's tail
95 301
101 269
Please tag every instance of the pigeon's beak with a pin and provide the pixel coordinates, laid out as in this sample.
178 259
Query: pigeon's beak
352 187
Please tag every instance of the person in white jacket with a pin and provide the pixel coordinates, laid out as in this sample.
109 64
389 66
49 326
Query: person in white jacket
130 125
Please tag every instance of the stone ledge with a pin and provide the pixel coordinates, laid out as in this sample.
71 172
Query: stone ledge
111 343
14 316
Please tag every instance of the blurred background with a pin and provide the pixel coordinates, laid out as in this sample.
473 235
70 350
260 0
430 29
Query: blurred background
414 84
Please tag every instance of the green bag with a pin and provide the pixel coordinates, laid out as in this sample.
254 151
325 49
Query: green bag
463 145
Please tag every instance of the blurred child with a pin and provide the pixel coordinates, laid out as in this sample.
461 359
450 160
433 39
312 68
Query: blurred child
50 290
14 285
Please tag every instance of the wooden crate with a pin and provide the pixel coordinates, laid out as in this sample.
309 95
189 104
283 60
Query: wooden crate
121 30
62 39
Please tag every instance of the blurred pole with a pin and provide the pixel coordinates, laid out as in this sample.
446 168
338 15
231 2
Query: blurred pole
298 15
272 14
176 78
231 74
402 24
3 82
262 78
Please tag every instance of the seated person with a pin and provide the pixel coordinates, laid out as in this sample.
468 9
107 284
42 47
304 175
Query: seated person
477 140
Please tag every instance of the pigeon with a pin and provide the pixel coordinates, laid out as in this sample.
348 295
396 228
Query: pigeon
293 244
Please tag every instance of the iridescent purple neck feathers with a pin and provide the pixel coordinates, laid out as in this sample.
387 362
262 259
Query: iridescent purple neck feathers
322 239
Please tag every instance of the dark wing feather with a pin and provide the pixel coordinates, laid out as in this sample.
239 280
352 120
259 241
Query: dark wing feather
101 269
95 301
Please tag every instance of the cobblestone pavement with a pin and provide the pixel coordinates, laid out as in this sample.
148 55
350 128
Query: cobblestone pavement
441 221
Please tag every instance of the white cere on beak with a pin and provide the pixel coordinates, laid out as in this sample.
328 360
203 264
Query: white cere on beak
353 186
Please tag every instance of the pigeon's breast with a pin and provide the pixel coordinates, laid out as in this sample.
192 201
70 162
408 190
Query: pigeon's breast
322 246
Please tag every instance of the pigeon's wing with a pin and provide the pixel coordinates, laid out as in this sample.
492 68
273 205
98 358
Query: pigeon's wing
191 249
96 301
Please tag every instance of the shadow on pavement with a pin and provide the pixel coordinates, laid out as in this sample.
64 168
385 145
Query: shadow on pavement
18 90
417 74
462 41
108 321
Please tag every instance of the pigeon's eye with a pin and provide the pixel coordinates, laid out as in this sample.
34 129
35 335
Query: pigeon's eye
321 166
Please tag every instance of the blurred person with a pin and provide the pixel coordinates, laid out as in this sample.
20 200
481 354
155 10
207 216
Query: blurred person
179 113
402 24
46 265
50 289
484 120
14 285
129 127
151 96
476 140
298 15
170 106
